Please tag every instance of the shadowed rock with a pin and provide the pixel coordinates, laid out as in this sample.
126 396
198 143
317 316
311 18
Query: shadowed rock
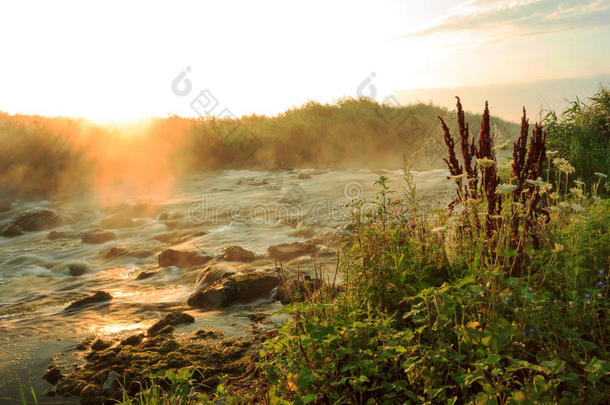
98 236
52 375
11 230
77 269
59 235
213 273
240 288
171 319
122 251
289 251
38 220
100 296
238 254
171 257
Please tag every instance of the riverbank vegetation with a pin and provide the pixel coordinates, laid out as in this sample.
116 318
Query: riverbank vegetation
42 157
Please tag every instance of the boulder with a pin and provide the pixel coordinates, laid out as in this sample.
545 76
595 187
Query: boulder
98 236
78 269
289 251
255 285
213 273
59 235
146 275
182 259
238 254
11 230
171 319
100 296
219 294
38 220
122 251
240 288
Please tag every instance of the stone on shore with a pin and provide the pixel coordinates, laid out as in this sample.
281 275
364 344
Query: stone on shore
98 297
181 259
288 251
171 319
98 236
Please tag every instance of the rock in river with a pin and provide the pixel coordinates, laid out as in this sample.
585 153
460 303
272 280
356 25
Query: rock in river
238 254
240 288
98 236
171 257
289 251
38 220
100 296
171 319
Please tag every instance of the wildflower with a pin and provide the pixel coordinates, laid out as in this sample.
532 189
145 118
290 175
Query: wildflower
532 330
599 296
579 183
457 176
564 204
524 333
552 152
600 284
587 295
438 229
555 195
512 281
571 304
502 146
558 248
505 188
577 208
601 272
577 191
564 166
601 175
485 162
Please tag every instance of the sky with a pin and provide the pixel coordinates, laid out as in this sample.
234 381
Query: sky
125 60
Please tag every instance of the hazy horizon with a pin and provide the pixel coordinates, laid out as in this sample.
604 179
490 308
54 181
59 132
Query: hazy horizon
93 63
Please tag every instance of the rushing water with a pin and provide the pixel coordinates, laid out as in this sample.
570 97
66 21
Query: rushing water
207 212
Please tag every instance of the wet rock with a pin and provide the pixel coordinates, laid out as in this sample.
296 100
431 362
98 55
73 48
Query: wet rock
238 254
59 235
209 333
132 340
11 230
255 285
304 176
53 375
98 236
78 269
219 294
146 275
38 220
213 273
289 251
242 288
117 221
171 319
122 251
182 259
100 344
98 297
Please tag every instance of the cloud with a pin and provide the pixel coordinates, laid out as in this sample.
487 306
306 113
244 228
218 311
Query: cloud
524 17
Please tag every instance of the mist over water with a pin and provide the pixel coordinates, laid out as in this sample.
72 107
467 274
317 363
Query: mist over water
202 213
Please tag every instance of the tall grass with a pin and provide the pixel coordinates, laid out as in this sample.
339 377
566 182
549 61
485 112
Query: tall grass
433 310
40 156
